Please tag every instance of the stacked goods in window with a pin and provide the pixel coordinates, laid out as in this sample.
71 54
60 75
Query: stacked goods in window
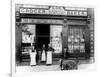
70 41
28 35
70 48
82 43
56 40
56 44
27 38
82 48
76 41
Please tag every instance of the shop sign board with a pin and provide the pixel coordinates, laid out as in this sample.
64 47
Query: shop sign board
54 11
77 13
42 11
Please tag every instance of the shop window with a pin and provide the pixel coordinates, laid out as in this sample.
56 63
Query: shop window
55 38
28 33
28 37
76 40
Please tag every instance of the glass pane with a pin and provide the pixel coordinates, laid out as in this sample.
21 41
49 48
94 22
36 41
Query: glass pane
55 38
76 40
28 33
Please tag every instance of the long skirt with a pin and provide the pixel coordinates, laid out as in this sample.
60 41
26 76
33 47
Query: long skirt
43 58
49 57
33 58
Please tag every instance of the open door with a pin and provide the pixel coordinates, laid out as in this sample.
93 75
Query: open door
42 35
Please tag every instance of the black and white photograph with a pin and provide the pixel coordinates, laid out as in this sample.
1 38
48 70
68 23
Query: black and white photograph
50 38
53 38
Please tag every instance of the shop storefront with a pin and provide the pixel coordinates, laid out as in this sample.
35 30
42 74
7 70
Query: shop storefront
62 27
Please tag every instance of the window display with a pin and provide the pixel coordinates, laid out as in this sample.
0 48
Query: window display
70 47
28 37
82 48
28 33
76 40
56 40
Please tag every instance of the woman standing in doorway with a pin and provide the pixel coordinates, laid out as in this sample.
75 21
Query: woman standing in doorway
43 57
49 55
33 56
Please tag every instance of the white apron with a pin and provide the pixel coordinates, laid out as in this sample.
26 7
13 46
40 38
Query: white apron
49 57
43 58
33 58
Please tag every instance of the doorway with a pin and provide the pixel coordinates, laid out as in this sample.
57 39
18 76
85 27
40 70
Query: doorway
42 35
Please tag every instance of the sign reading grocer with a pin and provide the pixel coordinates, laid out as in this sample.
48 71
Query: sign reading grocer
54 11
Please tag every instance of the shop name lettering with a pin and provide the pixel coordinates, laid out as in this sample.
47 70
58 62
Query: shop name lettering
53 12
41 11
77 13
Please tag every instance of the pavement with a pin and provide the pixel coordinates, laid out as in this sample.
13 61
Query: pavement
44 68
39 68
83 65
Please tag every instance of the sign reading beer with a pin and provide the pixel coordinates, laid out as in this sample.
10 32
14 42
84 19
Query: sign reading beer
55 10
